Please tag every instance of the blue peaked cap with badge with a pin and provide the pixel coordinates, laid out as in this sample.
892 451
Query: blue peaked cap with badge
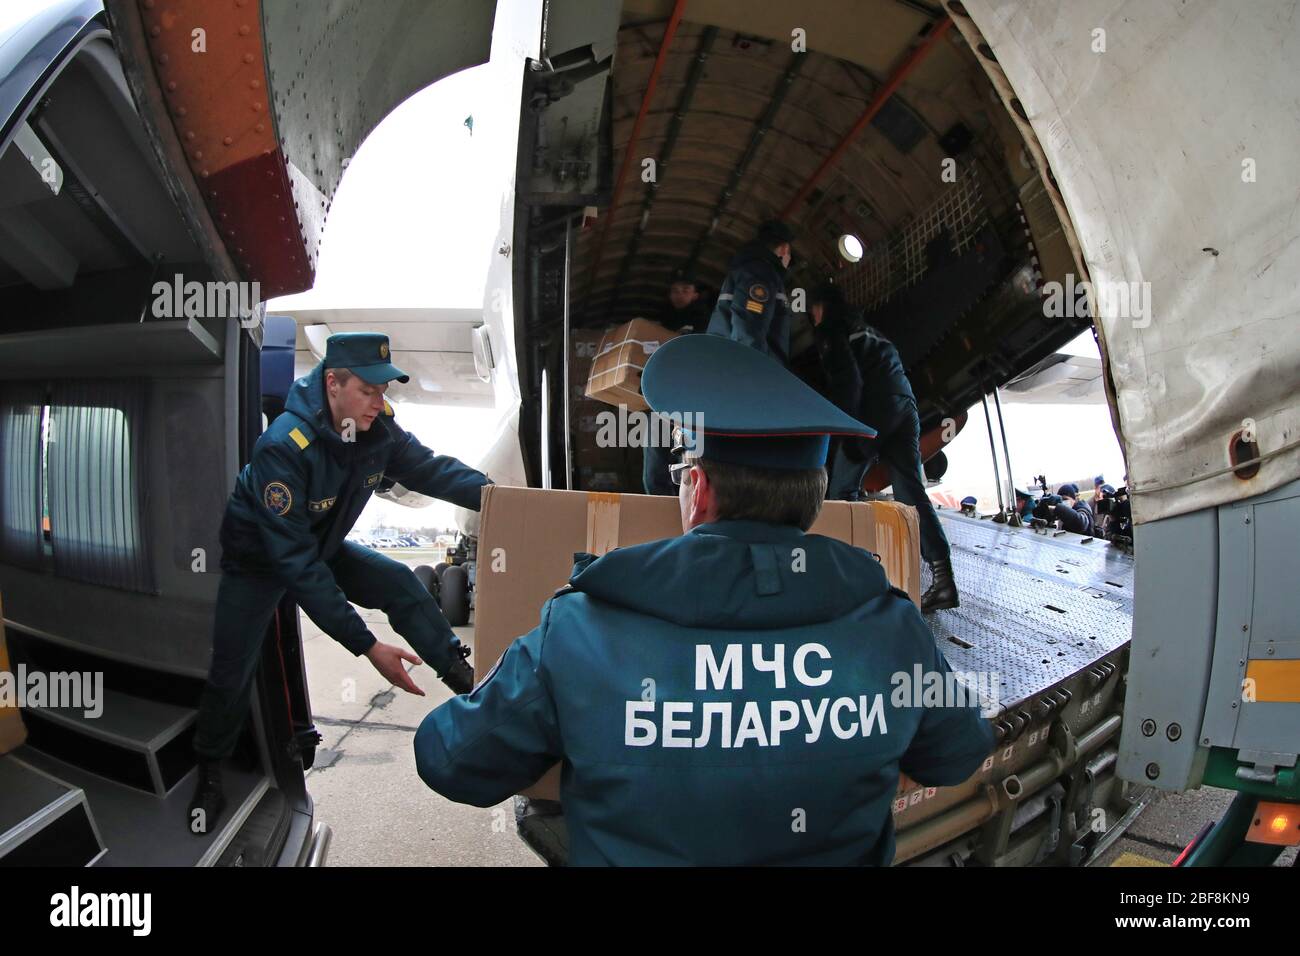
366 354
738 405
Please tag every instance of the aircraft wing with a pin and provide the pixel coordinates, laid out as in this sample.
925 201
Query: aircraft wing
1059 379
436 347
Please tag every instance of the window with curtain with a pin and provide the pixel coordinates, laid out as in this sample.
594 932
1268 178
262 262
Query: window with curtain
21 407
97 484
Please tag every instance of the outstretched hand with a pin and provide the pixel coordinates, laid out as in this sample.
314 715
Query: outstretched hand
388 659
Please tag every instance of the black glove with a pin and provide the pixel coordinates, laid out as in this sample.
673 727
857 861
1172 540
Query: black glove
459 677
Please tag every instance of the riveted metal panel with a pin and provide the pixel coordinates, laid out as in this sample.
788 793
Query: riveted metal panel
1232 625
1214 593
1272 629
337 68
1173 634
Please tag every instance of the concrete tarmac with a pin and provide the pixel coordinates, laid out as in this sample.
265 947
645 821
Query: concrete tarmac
364 781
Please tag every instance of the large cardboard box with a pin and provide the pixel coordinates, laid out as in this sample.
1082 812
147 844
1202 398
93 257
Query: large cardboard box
12 730
528 537
616 372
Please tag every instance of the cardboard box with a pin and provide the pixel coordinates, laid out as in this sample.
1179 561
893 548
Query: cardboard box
541 530
616 372
12 730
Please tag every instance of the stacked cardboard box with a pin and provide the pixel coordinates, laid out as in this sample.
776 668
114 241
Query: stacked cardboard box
620 360
607 468
541 531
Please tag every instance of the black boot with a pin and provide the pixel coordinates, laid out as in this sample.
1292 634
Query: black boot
459 677
209 799
942 592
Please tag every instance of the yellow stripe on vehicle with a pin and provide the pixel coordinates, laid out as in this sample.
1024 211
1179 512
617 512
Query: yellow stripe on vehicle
1275 682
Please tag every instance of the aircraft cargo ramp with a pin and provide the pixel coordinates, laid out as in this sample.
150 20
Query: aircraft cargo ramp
1036 609
1045 619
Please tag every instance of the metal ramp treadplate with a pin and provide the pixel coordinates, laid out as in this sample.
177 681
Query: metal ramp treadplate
1035 609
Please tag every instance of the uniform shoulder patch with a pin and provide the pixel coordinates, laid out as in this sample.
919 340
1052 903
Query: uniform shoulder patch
277 497
758 292
299 439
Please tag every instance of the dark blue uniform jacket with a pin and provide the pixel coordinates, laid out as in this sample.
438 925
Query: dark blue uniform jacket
303 490
752 306
862 367
748 718
864 372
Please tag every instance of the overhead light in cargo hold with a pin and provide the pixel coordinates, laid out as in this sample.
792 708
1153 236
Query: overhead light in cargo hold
851 247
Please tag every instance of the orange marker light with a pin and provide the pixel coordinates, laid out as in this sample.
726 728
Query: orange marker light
1275 823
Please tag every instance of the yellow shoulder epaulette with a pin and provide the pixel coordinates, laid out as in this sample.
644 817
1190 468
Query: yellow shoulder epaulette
388 409
299 439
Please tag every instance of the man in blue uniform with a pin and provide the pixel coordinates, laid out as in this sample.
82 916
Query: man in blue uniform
752 307
873 378
749 719
309 478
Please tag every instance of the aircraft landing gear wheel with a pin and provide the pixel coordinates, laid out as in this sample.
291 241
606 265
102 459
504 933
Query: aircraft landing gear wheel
429 578
455 595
